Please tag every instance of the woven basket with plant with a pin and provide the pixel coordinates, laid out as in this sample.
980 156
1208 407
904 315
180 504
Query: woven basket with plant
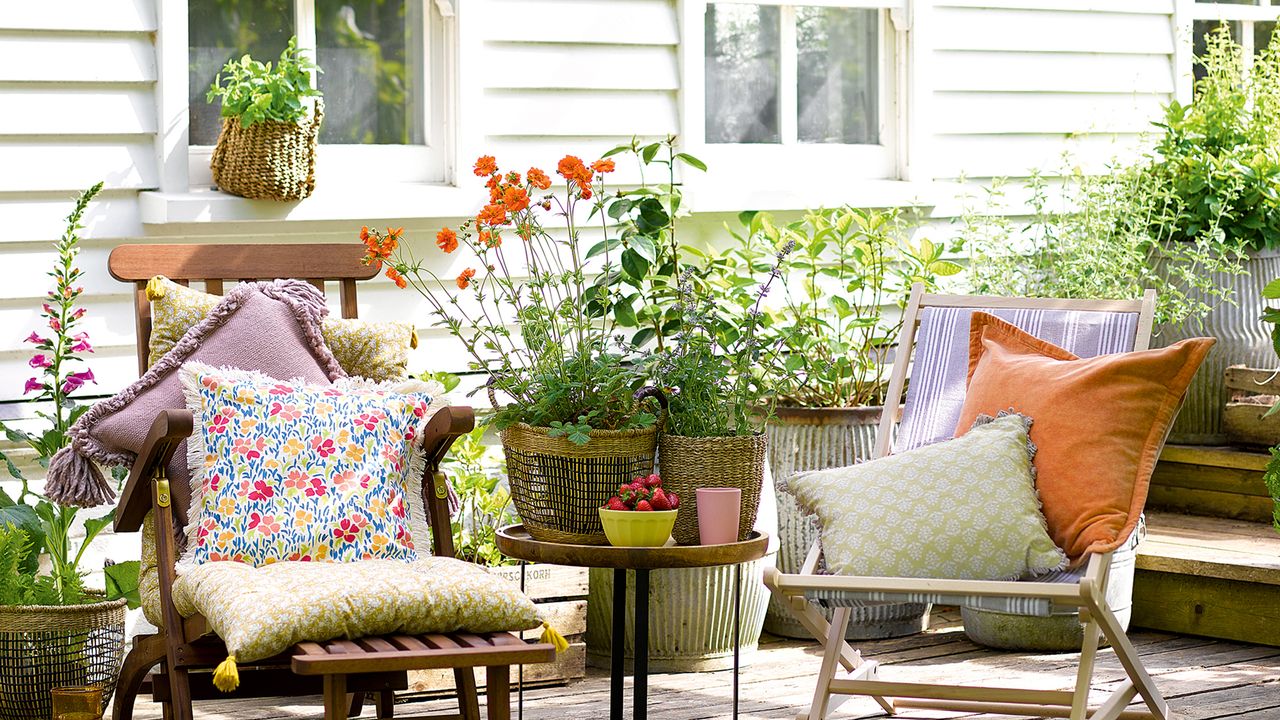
267 147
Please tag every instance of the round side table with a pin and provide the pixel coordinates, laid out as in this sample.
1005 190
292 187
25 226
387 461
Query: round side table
515 542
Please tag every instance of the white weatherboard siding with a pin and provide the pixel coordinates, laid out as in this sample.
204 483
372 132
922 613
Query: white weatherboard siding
1015 83
1005 86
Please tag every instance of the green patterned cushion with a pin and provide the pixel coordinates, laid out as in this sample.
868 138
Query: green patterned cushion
264 611
375 350
962 509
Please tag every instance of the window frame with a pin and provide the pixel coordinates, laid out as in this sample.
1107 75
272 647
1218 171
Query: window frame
1198 10
794 162
185 167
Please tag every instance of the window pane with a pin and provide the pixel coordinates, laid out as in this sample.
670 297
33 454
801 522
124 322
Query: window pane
838 83
371 55
742 73
224 29
1262 32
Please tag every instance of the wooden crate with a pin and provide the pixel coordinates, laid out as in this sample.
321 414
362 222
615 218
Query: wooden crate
1250 394
561 594
1211 481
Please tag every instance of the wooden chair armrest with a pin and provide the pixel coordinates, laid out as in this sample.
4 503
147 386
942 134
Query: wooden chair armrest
169 429
446 426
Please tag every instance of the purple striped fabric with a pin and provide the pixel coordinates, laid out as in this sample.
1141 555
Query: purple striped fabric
935 393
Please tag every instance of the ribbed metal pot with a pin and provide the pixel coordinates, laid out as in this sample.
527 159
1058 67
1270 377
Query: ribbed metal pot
690 609
815 439
1242 340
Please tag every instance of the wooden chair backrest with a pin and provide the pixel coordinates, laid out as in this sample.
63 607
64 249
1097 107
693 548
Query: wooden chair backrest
317 263
1144 307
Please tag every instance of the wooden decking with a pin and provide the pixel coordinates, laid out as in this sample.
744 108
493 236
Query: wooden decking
1203 679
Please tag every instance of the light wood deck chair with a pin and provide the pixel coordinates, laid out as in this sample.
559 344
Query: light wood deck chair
936 333
343 670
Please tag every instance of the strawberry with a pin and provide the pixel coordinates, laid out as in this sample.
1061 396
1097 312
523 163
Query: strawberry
673 500
616 504
644 506
659 500
653 480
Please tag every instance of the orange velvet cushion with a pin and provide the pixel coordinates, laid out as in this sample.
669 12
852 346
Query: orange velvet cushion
1099 423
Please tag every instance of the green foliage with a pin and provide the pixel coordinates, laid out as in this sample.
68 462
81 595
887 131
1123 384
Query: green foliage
256 92
122 582
475 471
1105 236
1220 155
854 269
18 586
1271 476
640 292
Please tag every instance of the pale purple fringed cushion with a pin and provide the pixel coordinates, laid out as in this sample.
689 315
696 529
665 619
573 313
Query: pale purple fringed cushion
271 327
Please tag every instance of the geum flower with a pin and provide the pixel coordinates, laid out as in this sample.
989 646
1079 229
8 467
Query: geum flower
464 278
486 165
538 179
447 240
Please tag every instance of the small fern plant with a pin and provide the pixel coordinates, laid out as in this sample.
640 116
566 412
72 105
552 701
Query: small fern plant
20 586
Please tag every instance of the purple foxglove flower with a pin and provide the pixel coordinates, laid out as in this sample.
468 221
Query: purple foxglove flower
53 323
75 380
48 309
81 343
79 313
40 360
33 385
34 338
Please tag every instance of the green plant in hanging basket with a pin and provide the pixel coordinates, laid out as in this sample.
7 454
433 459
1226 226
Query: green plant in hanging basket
255 91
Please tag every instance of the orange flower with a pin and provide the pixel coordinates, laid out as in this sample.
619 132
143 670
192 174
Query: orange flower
395 234
464 279
447 240
585 191
495 190
397 278
493 214
571 168
538 179
603 165
513 178
486 165
364 234
516 199
490 239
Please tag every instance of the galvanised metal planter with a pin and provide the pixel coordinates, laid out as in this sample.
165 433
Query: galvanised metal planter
815 439
1242 340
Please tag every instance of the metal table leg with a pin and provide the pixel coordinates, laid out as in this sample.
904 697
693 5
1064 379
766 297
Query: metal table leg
641 663
737 630
618 644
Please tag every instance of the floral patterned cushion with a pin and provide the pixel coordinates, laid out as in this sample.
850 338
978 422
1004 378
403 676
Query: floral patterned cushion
375 350
282 470
260 612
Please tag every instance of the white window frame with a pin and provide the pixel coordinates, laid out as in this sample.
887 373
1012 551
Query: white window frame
185 167
1246 15
792 161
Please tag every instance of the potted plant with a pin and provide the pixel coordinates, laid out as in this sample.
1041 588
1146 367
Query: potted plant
267 147
575 427
836 322
54 632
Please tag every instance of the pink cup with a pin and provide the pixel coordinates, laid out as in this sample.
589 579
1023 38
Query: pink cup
719 510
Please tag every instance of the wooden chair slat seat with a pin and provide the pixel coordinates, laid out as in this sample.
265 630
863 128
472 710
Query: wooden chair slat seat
367 665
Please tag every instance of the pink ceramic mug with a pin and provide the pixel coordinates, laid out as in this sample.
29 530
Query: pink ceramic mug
719 510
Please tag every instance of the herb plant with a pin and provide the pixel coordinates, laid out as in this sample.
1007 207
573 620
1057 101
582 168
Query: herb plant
46 527
841 311
562 368
476 471
256 92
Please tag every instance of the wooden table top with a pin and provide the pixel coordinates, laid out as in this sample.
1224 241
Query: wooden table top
514 541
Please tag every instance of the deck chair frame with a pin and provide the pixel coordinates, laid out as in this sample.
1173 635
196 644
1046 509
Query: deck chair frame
343 671
1089 594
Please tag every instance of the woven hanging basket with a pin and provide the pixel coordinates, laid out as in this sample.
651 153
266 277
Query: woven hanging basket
689 463
45 647
268 160
558 487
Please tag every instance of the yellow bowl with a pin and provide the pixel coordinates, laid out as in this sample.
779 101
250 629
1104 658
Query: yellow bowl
635 528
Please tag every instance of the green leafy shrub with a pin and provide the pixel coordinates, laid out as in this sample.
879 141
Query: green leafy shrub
256 92
476 471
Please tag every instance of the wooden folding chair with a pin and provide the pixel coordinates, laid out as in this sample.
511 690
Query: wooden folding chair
343 670
1085 327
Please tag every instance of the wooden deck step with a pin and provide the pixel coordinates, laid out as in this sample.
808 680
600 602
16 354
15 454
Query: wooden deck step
1209 576
1213 481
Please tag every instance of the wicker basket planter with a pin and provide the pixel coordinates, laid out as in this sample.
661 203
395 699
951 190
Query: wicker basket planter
815 439
43 647
268 160
689 463
558 487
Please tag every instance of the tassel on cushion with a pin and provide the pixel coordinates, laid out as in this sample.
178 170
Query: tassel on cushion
551 636
155 288
226 677
76 480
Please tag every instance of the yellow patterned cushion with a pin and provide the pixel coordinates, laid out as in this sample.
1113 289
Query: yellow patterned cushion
148 574
375 350
260 612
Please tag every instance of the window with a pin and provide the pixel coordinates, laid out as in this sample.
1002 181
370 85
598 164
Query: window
788 74
806 92
1251 21
382 80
